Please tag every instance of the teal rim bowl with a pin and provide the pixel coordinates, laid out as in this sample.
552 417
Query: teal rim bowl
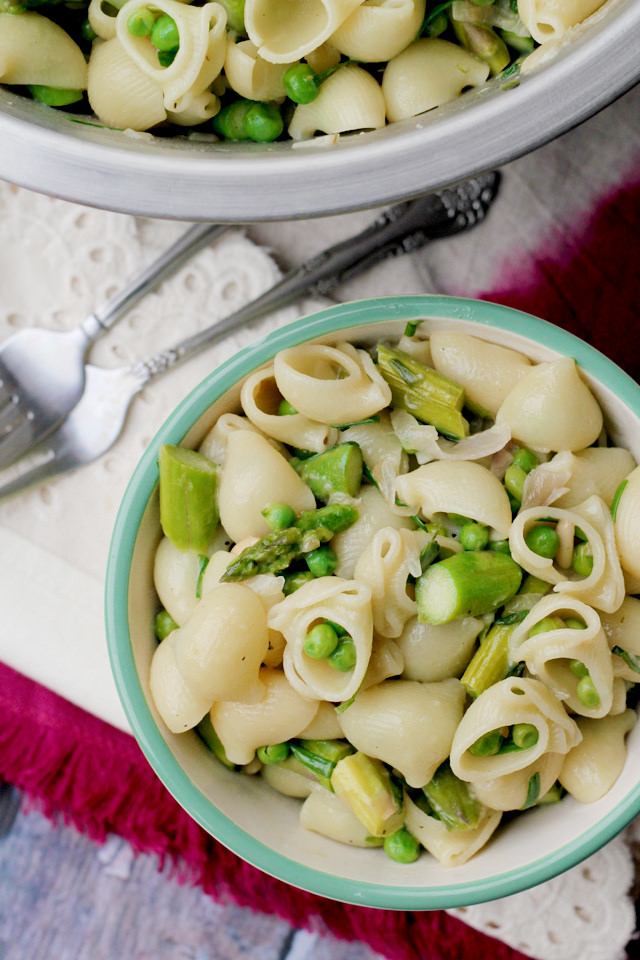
245 815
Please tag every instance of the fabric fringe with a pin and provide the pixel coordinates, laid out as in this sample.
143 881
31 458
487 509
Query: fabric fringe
79 770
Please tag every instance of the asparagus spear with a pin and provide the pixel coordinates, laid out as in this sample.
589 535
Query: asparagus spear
321 756
480 39
278 550
337 470
451 801
366 786
424 392
467 584
492 661
188 497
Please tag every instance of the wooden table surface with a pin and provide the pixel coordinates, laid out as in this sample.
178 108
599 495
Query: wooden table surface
63 897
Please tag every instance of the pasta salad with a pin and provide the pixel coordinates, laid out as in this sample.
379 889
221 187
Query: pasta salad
398 585
264 70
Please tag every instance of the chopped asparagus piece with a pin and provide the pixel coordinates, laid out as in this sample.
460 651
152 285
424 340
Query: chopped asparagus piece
206 732
271 554
333 518
337 470
333 750
451 800
365 785
188 497
467 584
424 392
481 40
491 661
554 794
277 551
320 766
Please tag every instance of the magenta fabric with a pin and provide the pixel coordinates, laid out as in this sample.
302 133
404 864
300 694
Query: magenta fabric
80 770
586 278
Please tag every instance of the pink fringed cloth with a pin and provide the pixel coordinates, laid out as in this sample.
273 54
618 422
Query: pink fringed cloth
81 770
92 776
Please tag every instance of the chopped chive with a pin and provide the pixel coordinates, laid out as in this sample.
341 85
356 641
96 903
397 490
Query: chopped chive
203 561
533 791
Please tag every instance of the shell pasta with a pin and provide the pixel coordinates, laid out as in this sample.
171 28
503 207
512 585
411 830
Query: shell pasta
400 628
270 70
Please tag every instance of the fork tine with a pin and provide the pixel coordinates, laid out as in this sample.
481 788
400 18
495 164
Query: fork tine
6 393
14 441
10 413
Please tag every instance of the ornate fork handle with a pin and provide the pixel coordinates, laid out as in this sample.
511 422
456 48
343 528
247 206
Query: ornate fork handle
403 228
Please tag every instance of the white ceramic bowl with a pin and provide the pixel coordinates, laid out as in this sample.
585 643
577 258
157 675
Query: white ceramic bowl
191 180
260 825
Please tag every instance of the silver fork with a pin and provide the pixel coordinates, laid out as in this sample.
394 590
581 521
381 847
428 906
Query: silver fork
42 371
97 420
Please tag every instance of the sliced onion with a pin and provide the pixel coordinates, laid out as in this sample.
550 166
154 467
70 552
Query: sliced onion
422 439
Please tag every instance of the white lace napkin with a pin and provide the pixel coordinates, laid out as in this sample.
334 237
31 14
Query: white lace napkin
60 261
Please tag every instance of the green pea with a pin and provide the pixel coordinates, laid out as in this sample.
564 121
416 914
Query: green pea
402 846
54 96
293 581
163 624
273 753
500 546
542 540
300 83
165 35
514 479
343 657
488 745
518 43
525 459
279 515
141 22
578 669
166 57
582 561
547 624
320 642
263 122
285 409
87 31
341 632
587 693
473 536
235 15
524 735
322 561
575 623
229 122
